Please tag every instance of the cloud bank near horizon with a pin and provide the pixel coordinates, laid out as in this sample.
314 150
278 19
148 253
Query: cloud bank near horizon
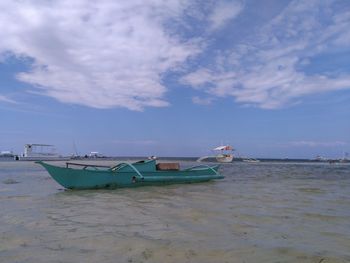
115 54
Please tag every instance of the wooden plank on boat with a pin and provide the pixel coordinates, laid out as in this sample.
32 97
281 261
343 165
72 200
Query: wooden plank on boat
168 166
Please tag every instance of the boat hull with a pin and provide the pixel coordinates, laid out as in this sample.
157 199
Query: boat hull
224 158
107 178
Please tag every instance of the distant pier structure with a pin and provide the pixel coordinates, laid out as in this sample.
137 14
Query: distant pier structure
39 152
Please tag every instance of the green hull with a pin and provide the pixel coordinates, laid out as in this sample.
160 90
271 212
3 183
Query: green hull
128 175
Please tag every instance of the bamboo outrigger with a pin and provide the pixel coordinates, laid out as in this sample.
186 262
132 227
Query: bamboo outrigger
125 174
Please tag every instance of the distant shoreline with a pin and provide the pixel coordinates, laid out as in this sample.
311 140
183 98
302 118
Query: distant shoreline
179 158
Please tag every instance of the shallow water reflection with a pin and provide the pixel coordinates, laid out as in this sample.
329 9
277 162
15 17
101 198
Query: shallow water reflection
264 212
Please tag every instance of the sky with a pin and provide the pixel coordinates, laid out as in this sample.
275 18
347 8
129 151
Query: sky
176 77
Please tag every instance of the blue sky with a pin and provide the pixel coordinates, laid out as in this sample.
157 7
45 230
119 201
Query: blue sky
176 78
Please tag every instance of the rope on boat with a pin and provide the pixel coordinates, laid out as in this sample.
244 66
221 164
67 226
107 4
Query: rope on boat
121 165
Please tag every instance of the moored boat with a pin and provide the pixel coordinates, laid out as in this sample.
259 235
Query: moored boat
225 155
141 173
251 160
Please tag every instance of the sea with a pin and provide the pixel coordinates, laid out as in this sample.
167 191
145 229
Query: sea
260 212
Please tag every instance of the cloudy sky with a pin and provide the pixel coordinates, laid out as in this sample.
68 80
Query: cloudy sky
176 78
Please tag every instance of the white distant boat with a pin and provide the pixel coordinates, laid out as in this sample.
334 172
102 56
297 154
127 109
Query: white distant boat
94 154
345 158
6 154
225 155
319 158
251 160
40 152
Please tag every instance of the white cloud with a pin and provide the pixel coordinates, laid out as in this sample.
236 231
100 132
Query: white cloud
223 12
267 69
317 144
101 54
108 53
198 78
6 99
202 101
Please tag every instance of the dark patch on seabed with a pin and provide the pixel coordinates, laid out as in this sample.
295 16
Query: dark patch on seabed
10 181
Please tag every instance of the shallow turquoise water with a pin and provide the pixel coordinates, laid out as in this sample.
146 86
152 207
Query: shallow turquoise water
266 212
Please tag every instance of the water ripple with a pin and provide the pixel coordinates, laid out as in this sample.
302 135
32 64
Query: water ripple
266 212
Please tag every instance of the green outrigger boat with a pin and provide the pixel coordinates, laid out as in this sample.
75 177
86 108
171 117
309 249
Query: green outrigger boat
125 174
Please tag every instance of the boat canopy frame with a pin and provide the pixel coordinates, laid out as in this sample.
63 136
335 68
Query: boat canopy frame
124 164
113 168
202 166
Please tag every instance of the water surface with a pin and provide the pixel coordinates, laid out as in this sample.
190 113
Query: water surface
264 212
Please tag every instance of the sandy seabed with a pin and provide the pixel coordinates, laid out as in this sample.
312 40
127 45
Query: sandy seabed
265 212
